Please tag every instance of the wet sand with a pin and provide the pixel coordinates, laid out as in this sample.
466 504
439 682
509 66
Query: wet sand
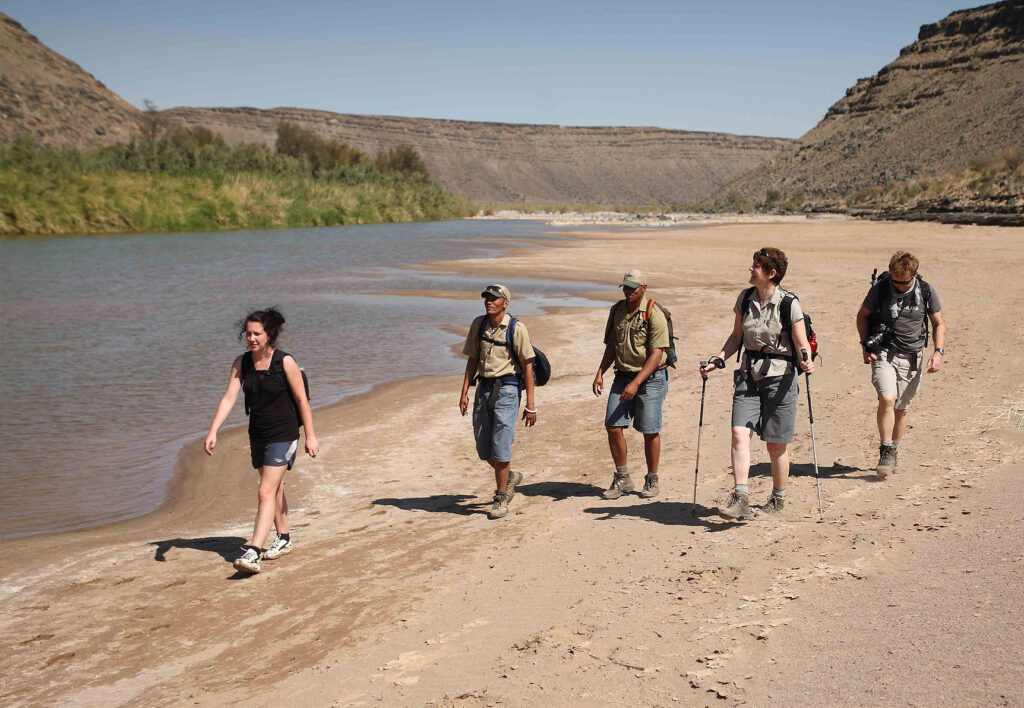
401 592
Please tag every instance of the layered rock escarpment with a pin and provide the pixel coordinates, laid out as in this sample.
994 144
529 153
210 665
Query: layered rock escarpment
955 93
54 98
540 164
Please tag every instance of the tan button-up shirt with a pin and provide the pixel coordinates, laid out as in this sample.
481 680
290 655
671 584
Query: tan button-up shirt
494 359
762 331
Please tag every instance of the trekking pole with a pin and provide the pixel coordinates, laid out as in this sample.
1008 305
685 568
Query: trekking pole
719 364
814 445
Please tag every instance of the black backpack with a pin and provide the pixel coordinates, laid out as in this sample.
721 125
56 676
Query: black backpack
786 318
276 368
885 294
646 317
541 365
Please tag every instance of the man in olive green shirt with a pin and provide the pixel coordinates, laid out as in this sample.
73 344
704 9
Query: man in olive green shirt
636 339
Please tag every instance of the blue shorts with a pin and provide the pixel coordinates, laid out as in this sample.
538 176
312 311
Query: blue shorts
644 411
273 454
494 420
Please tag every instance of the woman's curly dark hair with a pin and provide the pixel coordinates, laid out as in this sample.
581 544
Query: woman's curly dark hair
271 319
776 260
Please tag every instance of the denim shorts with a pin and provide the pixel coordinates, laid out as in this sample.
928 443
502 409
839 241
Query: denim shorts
273 454
644 410
768 407
495 410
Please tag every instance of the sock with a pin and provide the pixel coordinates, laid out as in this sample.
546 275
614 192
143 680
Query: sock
742 489
255 548
890 444
284 537
780 493
622 471
895 444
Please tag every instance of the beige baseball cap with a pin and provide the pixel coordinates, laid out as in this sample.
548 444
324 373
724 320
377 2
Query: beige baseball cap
634 278
497 290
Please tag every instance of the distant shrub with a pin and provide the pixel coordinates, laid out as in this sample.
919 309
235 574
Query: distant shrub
1013 157
323 154
403 158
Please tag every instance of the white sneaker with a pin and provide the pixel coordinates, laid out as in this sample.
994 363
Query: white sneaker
248 561
277 549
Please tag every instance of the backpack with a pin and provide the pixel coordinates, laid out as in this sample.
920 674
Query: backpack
541 365
786 318
645 316
276 367
884 295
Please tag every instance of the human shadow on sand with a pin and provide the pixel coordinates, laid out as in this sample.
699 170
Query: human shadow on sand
227 547
559 490
444 503
671 513
806 469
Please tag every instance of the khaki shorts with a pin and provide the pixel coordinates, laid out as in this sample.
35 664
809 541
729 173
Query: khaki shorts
895 375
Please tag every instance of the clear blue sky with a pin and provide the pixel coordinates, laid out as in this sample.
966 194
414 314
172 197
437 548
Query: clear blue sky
736 66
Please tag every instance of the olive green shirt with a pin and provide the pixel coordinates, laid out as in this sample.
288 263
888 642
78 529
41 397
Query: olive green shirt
632 338
495 359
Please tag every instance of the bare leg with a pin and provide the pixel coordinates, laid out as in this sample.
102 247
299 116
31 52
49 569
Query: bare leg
779 454
886 417
281 510
270 481
899 427
617 444
741 454
500 473
652 451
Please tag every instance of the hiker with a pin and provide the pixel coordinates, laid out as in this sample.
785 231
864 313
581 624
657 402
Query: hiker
499 361
893 325
767 384
276 401
636 339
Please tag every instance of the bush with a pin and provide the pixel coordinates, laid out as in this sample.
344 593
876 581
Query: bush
404 158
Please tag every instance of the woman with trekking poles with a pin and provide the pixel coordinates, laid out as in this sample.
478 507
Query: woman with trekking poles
769 325
276 403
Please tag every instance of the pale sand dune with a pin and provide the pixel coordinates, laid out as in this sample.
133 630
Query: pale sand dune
401 592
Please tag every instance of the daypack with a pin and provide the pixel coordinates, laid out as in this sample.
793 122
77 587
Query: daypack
276 367
885 294
541 365
786 319
645 316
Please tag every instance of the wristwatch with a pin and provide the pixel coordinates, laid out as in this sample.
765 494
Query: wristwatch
941 351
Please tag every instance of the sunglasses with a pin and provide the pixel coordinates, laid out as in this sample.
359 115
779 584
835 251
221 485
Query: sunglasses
771 261
901 282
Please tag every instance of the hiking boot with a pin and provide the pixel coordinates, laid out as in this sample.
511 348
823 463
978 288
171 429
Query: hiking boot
736 508
514 480
500 507
895 461
248 562
277 549
650 487
621 484
886 460
774 504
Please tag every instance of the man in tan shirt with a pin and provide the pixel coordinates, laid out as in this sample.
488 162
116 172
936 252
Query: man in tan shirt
636 339
499 360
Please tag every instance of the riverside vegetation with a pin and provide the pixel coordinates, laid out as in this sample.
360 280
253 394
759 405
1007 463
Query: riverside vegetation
191 180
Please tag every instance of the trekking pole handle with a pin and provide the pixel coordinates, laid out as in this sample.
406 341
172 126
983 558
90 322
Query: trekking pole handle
716 360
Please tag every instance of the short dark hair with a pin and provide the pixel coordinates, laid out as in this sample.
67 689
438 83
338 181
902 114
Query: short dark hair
271 319
772 259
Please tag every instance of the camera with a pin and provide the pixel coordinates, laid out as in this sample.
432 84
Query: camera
881 336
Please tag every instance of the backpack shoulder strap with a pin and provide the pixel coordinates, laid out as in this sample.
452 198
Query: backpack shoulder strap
786 310
647 313
247 365
747 295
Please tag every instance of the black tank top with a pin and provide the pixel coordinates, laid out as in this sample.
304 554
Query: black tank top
272 413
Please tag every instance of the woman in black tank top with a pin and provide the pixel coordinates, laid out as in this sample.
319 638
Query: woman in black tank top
275 399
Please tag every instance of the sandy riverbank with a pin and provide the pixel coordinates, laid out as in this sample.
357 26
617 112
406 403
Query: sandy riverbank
400 592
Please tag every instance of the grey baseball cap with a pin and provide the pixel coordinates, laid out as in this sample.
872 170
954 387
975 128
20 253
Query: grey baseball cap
634 278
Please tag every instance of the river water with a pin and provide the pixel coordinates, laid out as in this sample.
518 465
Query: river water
116 350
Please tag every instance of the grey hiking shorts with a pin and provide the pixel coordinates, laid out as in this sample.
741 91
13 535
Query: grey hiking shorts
768 407
898 374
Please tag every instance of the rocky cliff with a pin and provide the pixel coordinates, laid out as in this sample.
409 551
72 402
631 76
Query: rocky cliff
541 164
954 94
54 98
